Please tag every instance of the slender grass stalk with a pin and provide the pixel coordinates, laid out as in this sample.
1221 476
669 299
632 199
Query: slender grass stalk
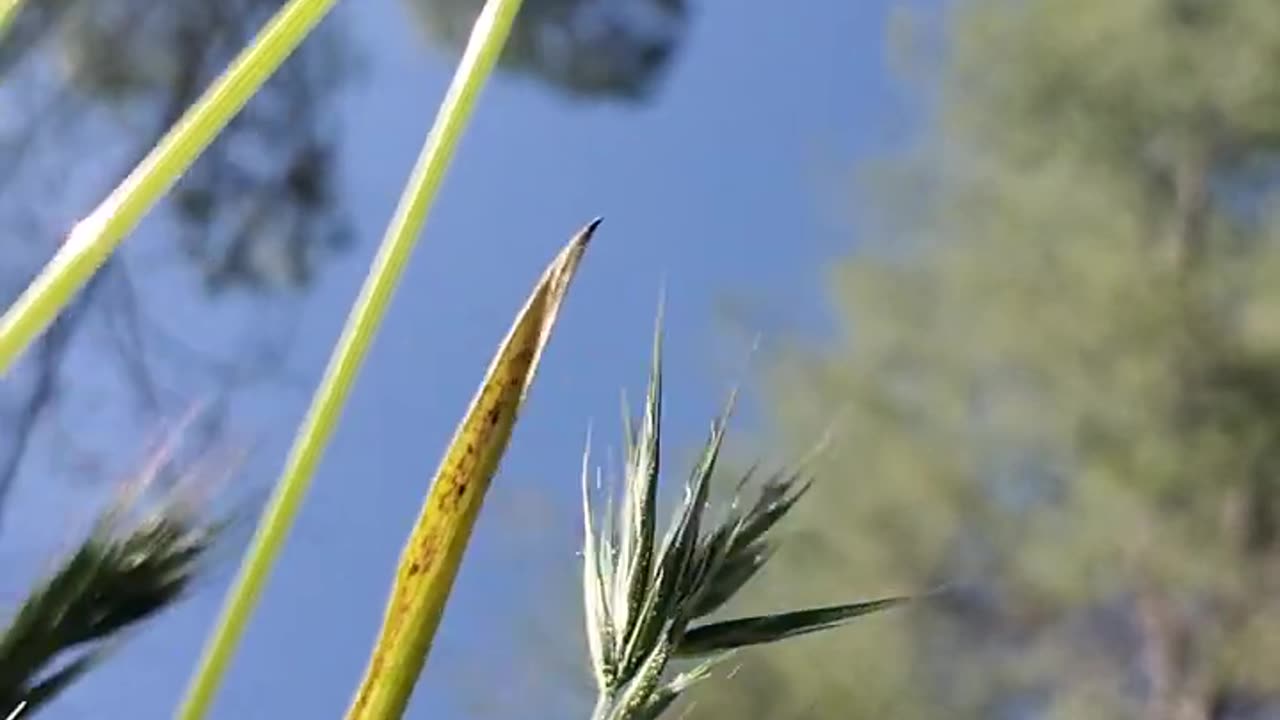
491 30
434 550
96 236
8 11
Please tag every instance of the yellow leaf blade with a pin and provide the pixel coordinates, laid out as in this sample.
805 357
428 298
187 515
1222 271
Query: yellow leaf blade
430 560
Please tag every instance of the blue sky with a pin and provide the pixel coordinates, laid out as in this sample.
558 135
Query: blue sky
726 184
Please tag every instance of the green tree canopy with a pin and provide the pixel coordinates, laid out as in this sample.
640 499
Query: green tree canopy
1055 384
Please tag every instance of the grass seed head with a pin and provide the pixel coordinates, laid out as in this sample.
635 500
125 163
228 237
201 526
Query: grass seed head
128 569
646 604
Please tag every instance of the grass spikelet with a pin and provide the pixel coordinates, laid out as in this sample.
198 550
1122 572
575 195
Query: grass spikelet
647 605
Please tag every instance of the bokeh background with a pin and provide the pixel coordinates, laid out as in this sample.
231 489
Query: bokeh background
1018 255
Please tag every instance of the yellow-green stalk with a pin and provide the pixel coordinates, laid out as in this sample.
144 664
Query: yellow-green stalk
485 46
8 11
95 237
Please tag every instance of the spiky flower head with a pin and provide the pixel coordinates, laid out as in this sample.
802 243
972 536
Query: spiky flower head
646 603
135 562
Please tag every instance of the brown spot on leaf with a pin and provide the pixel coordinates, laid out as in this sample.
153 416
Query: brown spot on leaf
424 555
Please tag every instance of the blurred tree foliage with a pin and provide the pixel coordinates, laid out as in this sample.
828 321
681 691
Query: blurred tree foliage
586 49
1055 384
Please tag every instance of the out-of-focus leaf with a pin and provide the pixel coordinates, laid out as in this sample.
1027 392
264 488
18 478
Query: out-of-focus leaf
118 577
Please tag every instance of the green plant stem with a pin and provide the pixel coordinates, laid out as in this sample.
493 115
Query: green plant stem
95 237
487 40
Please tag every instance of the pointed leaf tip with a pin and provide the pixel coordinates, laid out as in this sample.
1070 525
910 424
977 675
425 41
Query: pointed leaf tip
744 632
434 550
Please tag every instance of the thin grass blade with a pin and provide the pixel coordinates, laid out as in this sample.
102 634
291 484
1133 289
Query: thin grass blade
628 430
679 551
733 634
640 496
737 550
47 689
595 600
94 238
729 576
776 499
489 36
9 10
697 492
